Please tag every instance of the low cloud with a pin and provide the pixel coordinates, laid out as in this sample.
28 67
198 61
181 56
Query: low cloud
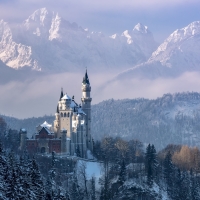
40 97
137 88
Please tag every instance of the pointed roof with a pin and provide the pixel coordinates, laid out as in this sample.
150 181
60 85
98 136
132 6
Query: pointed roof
86 79
66 97
61 94
57 110
46 125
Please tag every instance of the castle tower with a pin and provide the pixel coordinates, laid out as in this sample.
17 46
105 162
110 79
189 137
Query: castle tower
63 141
23 136
86 106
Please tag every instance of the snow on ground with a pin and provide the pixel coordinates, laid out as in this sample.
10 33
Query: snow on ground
92 169
89 155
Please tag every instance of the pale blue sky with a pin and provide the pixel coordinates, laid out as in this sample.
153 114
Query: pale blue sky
112 16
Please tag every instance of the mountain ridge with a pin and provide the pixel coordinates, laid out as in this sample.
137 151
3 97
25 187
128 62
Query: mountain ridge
179 53
47 42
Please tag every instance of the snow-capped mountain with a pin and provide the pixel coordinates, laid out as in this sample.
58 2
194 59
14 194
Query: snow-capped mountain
46 41
179 53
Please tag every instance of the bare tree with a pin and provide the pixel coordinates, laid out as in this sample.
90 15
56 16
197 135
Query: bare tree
83 175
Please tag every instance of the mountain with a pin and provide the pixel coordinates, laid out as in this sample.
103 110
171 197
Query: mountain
47 42
171 119
179 53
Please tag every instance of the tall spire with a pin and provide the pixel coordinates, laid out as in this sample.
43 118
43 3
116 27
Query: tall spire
61 94
85 78
57 110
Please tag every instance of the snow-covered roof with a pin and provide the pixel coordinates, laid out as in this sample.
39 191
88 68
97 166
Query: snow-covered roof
66 97
80 111
47 129
23 130
46 125
73 104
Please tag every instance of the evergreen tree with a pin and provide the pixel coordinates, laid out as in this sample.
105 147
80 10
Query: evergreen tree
150 164
48 188
194 187
13 192
168 171
3 166
74 192
122 174
154 161
93 190
36 179
51 186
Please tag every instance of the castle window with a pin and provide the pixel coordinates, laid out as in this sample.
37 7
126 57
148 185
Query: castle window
68 114
65 115
61 114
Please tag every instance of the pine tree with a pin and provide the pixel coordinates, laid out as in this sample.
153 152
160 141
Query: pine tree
154 161
150 164
122 174
26 168
48 188
194 187
168 171
51 186
13 186
37 184
74 192
93 190
3 166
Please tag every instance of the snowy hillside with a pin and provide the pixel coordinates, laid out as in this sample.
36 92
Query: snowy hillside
46 41
179 53
169 119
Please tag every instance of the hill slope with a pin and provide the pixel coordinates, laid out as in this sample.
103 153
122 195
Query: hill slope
169 119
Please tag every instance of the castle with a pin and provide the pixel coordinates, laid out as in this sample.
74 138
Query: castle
71 131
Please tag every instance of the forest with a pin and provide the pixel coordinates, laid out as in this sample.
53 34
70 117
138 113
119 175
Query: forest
172 118
130 170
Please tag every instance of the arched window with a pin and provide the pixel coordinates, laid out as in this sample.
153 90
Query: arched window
65 115
68 114
61 114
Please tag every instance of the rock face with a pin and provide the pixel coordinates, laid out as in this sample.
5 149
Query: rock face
179 53
45 41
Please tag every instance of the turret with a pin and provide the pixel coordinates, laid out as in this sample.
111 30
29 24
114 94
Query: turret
23 136
86 107
63 141
86 88
61 94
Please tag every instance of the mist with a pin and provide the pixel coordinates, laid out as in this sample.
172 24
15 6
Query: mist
39 97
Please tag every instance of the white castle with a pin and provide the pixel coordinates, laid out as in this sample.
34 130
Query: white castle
75 119
71 130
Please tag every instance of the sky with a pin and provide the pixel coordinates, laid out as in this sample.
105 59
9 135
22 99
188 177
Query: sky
111 16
